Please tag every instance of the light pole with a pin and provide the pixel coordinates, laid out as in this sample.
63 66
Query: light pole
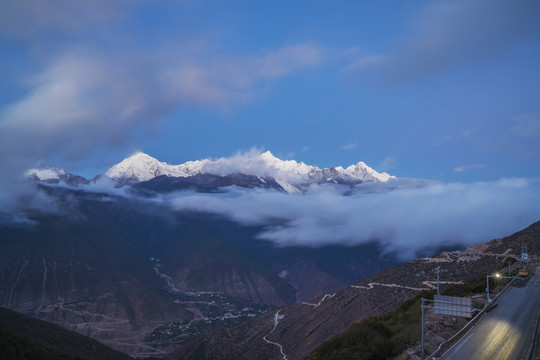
497 275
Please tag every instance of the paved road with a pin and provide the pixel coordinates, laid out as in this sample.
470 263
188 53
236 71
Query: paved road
505 332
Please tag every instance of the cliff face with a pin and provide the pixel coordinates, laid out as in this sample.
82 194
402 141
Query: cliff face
296 330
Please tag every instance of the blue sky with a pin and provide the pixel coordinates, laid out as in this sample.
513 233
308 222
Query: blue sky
444 90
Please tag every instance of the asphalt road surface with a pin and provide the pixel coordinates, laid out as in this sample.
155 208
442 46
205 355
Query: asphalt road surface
506 332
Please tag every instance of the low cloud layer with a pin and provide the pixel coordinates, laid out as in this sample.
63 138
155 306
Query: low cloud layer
413 217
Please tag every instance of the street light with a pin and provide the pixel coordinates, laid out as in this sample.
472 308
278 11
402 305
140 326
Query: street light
497 275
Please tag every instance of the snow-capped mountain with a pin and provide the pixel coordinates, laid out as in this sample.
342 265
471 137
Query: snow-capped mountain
142 167
289 174
245 170
55 176
45 174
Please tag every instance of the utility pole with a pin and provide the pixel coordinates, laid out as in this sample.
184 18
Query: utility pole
422 306
438 270
509 271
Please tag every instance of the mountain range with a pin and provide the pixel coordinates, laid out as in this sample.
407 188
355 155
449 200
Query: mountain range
252 170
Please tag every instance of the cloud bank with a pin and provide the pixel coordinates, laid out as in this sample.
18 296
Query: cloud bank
410 218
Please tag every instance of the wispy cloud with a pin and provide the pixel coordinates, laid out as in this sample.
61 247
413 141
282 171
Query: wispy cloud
367 61
445 34
387 164
455 138
31 19
463 168
526 126
350 146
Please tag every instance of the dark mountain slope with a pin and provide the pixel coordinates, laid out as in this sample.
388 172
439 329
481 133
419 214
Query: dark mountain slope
76 274
204 183
22 337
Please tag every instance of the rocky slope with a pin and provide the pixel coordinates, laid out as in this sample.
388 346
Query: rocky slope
293 332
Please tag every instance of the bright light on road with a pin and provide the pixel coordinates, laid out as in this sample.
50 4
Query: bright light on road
497 275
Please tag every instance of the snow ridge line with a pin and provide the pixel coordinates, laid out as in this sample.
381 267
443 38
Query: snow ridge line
277 317
429 285
320 302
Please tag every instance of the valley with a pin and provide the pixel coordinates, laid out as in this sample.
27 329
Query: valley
131 276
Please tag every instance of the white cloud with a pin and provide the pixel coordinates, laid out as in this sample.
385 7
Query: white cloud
228 80
86 88
411 217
